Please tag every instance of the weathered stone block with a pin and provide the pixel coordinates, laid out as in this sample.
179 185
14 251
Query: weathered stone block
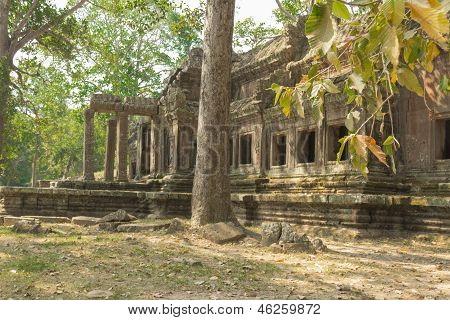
10 220
26 226
271 233
221 232
109 226
85 221
50 219
142 227
118 216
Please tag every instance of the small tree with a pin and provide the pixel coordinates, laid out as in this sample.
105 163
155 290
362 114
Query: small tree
22 22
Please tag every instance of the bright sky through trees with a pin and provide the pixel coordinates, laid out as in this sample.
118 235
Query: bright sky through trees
260 10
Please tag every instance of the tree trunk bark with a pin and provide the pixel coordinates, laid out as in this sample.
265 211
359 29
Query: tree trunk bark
211 198
5 68
4 99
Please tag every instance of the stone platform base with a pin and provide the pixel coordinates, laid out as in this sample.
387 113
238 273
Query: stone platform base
362 211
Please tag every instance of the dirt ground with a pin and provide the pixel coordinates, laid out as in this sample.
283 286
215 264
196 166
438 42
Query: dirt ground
185 266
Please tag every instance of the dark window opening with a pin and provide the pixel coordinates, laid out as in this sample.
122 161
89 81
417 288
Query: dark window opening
443 139
334 135
166 148
246 149
133 169
230 152
306 147
279 148
145 154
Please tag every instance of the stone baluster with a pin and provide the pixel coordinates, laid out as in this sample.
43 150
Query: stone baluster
139 148
122 148
111 142
88 156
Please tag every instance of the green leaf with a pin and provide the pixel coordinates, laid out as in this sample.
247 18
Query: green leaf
285 102
408 79
394 11
330 86
320 28
391 46
357 82
341 10
334 60
443 85
389 141
297 102
317 110
278 89
343 142
313 71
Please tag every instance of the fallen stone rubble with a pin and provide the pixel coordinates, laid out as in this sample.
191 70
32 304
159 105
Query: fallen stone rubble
282 238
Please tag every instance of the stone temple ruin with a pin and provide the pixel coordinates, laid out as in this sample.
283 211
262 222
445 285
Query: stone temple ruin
281 169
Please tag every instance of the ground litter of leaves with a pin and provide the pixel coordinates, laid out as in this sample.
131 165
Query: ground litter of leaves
154 265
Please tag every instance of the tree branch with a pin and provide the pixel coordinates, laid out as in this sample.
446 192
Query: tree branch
285 12
25 20
37 33
359 4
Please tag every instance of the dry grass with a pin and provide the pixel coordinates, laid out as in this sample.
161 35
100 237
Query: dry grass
184 266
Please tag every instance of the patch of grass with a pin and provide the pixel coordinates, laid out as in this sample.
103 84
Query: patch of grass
30 264
5 231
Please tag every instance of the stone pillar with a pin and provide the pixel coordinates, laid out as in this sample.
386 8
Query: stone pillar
139 146
235 151
122 146
291 142
111 141
257 153
175 148
155 147
88 156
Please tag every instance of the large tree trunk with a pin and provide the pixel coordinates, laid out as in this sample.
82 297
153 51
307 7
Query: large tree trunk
4 97
211 199
5 64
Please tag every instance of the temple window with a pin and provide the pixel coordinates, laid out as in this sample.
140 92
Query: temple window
230 152
306 146
246 149
279 150
443 139
335 133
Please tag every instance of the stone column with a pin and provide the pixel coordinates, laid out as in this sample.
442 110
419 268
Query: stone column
155 146
291 142
176 147
235 164
88 157
122 146
257 153
139 146
111 141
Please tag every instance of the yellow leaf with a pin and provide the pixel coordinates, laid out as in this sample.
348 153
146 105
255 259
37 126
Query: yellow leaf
432 19
432 53
391 46
375 149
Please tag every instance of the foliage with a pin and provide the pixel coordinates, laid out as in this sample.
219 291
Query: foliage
386 44
248 34
52 88
294 7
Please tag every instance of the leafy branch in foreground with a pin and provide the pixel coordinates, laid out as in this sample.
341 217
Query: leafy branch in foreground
365 53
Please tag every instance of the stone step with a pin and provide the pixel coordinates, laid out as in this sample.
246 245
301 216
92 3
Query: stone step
85 221
138 227
50 219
